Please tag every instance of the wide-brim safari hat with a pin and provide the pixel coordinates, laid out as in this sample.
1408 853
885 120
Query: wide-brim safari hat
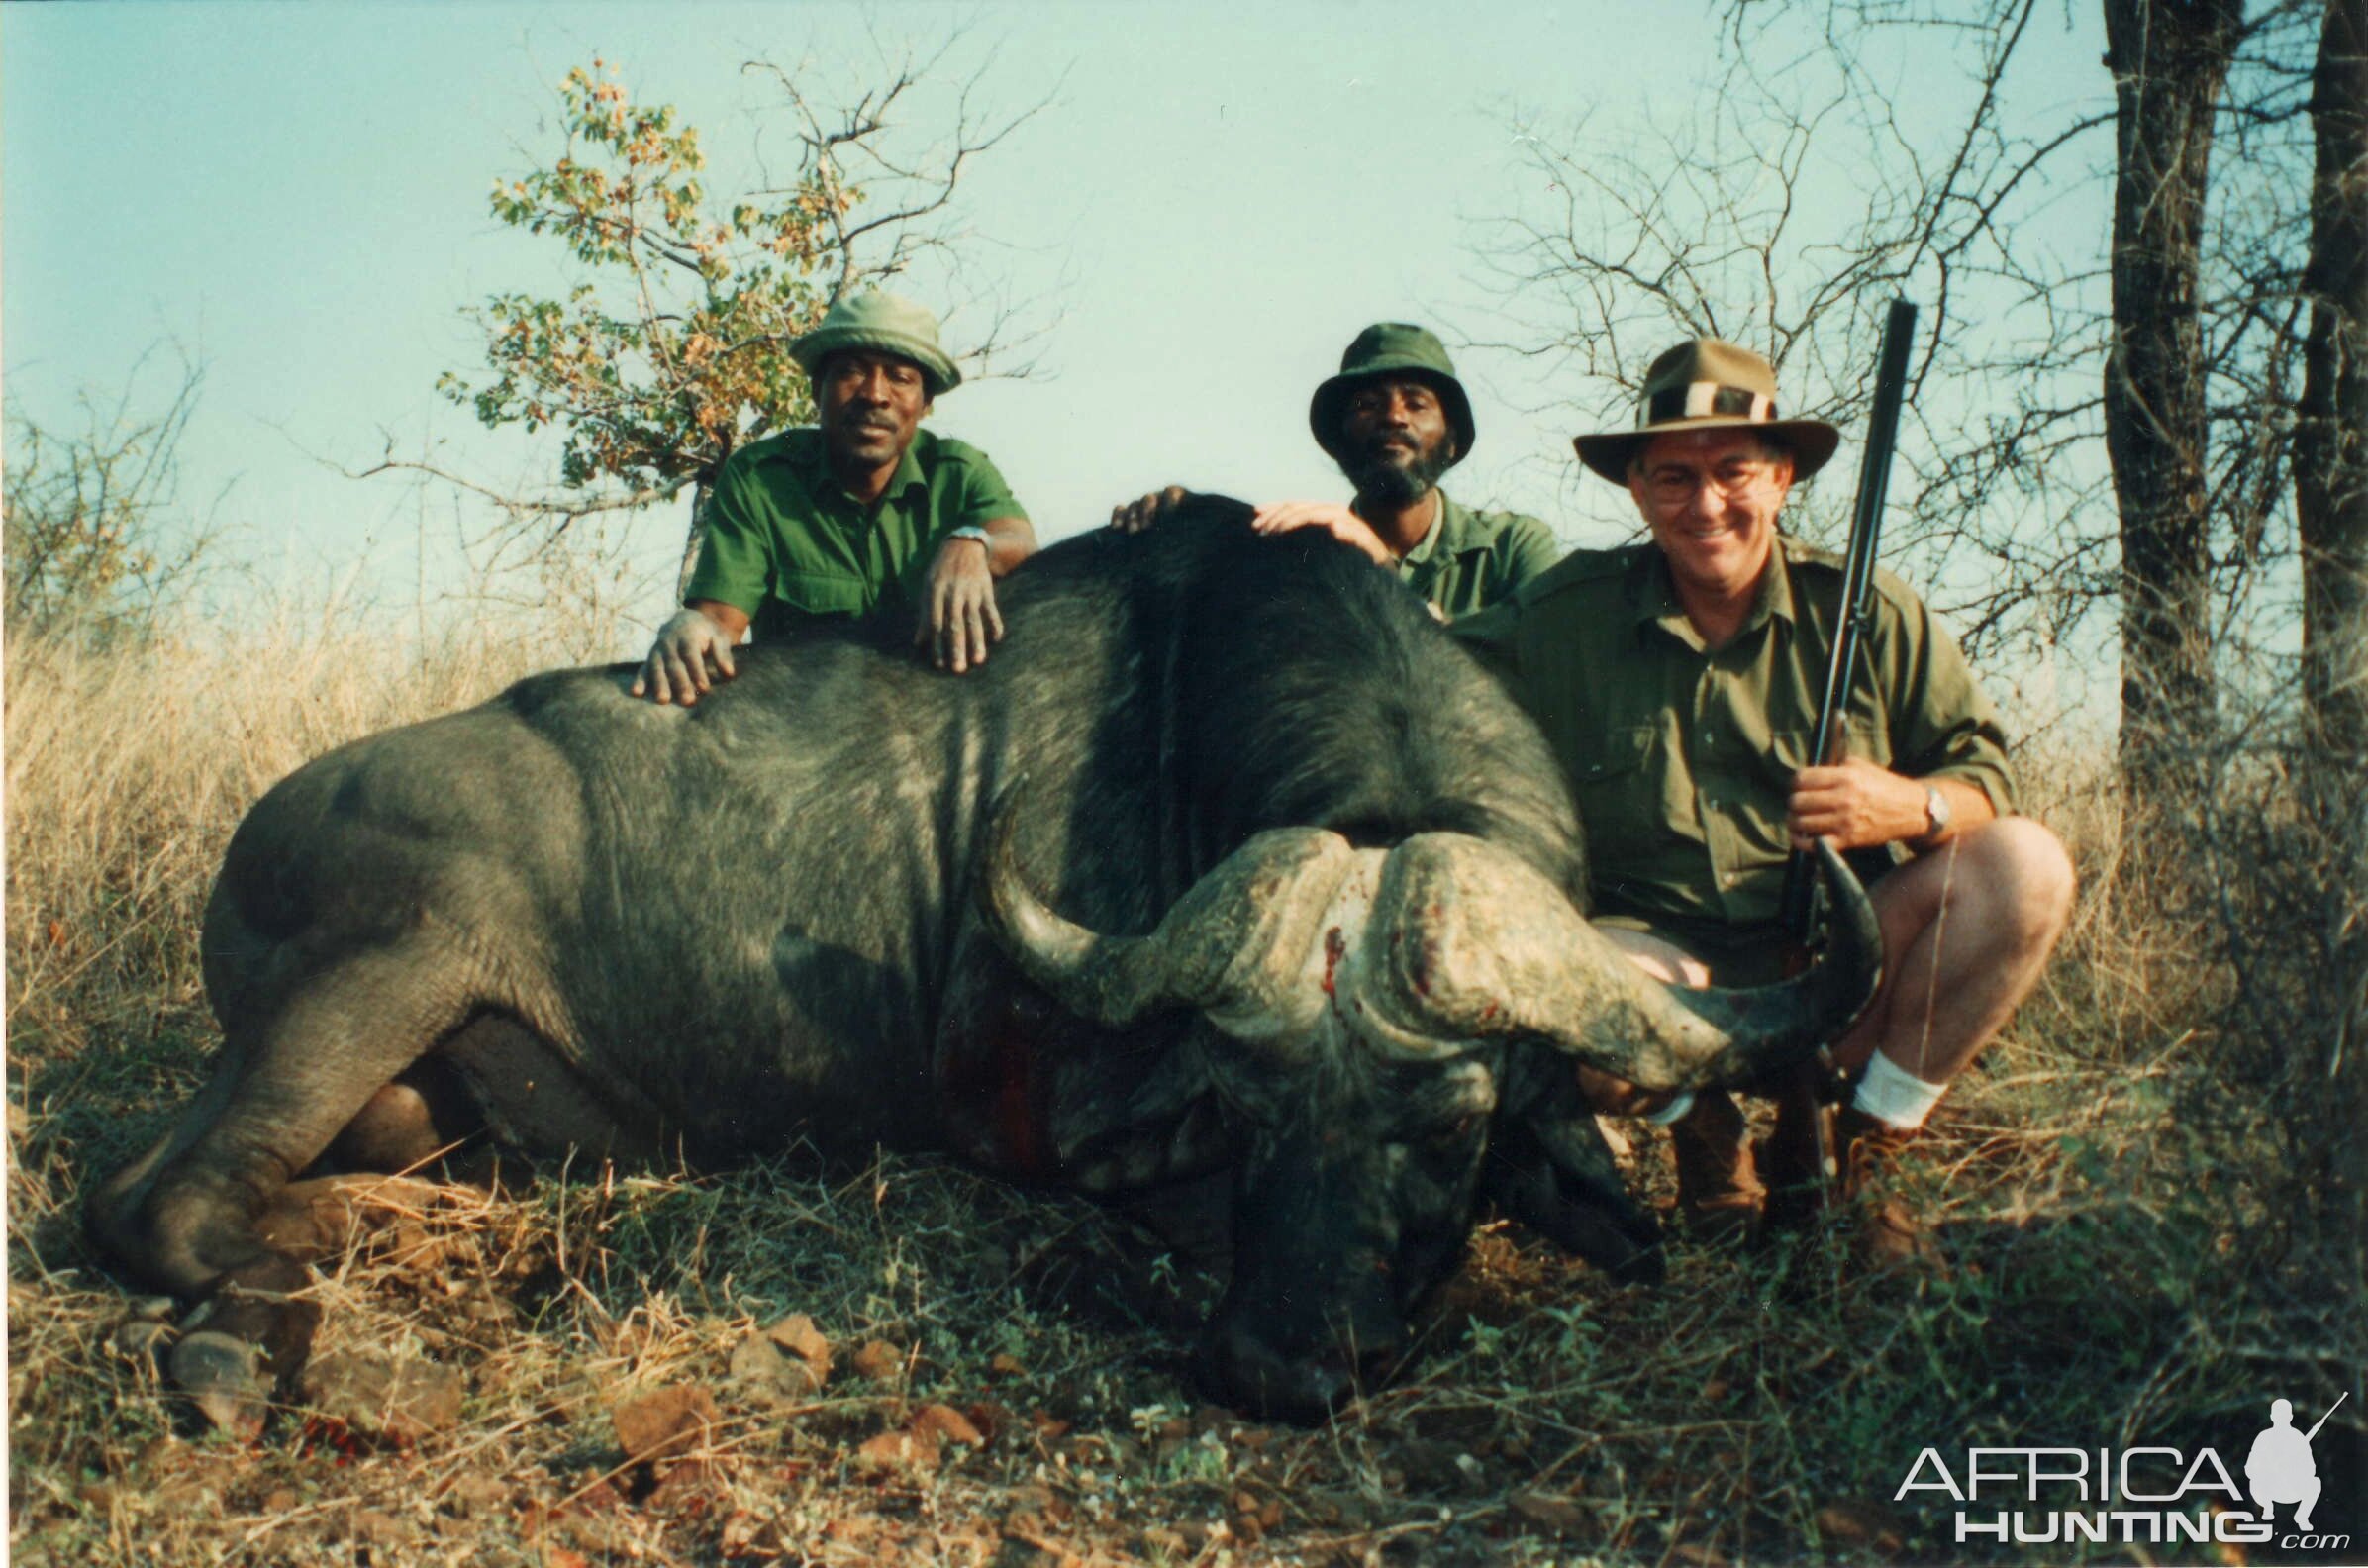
1390 349
1707 384
887 323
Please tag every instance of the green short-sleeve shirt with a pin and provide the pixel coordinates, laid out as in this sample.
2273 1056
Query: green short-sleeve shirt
1470 558
1682 757
785 541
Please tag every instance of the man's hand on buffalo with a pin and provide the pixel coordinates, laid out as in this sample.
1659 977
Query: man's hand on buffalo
1861 804
1133 516
1280 517
686 645
959 618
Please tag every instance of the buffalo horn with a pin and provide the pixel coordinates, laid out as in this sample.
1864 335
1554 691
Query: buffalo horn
1233 946
1549 973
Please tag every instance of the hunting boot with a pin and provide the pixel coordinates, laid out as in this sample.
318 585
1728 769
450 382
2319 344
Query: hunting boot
1883 1235
1718 1194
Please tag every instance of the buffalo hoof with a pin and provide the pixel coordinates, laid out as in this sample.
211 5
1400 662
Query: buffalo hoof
223 1376
1246 1373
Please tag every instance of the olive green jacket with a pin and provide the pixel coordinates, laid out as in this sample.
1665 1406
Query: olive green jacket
1682 757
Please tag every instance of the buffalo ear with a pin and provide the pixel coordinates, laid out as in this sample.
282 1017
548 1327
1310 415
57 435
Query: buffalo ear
1554 1173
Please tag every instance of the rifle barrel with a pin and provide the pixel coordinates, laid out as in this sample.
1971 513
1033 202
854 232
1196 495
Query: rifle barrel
1859 581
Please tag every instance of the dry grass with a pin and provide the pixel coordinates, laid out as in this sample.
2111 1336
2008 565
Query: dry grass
1750 1410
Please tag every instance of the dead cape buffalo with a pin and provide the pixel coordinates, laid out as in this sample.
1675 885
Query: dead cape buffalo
1291 890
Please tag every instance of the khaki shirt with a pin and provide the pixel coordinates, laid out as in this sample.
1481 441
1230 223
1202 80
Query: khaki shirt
1470 558
785 541
1682 757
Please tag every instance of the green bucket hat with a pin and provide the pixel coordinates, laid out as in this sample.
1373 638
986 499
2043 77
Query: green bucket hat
887 323
1707 384
1390 349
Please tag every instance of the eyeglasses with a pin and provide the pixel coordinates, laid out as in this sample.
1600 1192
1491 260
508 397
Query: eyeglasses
1676 486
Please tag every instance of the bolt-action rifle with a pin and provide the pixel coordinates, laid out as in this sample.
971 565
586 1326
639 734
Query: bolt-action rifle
1799 907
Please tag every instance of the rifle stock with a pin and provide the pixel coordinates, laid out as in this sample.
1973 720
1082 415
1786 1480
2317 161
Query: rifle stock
1859 583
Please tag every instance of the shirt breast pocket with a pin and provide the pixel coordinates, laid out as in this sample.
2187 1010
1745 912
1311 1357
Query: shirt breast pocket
821 593
1618 794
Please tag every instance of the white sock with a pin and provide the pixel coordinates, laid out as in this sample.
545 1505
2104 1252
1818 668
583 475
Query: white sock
1894 1096
1675 1112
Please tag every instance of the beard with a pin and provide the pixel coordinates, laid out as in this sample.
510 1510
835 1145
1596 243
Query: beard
1389 476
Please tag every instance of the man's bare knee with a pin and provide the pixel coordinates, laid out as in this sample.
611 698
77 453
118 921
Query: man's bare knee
2025 875
1660 958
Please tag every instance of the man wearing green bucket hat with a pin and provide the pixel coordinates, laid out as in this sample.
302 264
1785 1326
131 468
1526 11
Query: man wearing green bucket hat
864 512
1678 680
1396 419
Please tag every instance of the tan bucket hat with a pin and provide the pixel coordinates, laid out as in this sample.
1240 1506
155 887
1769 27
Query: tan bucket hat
888 323
1707 384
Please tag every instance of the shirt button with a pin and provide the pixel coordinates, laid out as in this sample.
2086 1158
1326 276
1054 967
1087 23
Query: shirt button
1730 879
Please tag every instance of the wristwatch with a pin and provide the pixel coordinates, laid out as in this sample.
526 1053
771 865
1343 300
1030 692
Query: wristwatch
973 532
1936 812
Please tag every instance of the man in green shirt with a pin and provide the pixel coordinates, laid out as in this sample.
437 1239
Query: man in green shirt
1678 682
864 513
1396 419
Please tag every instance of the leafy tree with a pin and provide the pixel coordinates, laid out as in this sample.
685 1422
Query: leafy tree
675 347
671 348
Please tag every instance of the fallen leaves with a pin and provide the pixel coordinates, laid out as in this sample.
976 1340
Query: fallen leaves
920 1444
947 1422
880 1361
664 1424
786 1363
403 1401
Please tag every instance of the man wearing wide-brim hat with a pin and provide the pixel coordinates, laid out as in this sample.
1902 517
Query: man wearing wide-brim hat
1396 419
1678 680
865 512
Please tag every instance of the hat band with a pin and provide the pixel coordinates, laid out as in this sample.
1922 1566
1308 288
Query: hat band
1705 400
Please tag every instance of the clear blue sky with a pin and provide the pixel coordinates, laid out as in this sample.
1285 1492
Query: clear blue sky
1220 195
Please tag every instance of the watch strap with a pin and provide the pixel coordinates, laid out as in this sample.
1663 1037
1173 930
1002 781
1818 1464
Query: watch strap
1936 812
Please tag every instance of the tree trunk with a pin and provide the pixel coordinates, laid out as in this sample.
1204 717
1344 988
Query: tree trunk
2331 441
2170 59
694 538
2330 495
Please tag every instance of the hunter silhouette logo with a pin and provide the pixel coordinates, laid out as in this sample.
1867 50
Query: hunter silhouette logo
2280 1468
2147 1495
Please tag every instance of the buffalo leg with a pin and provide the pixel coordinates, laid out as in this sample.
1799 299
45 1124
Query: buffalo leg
189 1216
